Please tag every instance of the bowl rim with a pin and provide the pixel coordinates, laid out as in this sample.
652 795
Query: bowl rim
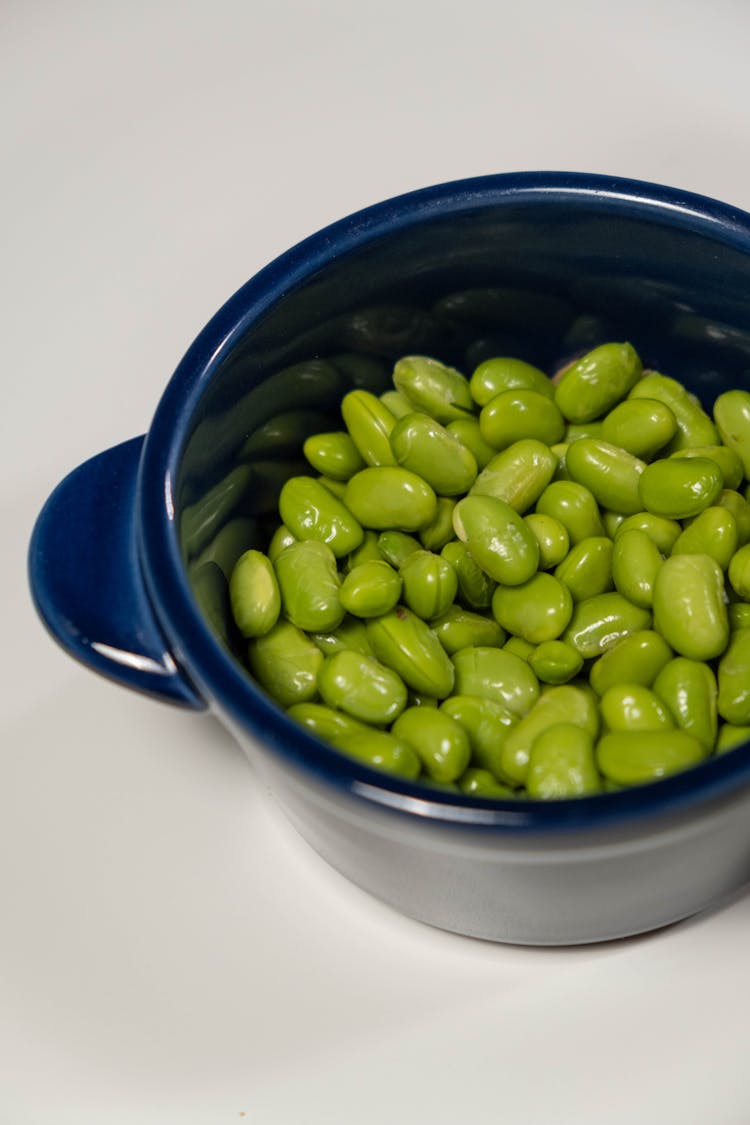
223 683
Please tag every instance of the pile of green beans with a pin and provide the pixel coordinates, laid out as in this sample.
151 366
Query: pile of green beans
514 584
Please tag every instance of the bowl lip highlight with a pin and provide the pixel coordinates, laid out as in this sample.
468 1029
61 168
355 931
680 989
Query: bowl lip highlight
222 682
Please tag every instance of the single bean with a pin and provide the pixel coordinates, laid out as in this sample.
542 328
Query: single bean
636 561
634 707
688 688
459 628
552 537
362 687
538 610
433 387
254 594
310 586
440 741
642 426
486 723
562 764
381 751
518 475
694 427
732 414
477 782
677 489
564 704
311 512
726 460
554 662
636 757
430 584
739 615
469 434
739 572
734 680
331 726
609 473
730 736
426 448
501 373
285 662
518 414
713 532
600 622
434 535
689 608
575 508
333 454
389 497
496 538
612 521
369 423
637 659
397 403
370 589
403 642
495 674
587 568
281 538
594 384
475 588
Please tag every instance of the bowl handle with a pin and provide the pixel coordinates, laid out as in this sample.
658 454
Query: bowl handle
87 582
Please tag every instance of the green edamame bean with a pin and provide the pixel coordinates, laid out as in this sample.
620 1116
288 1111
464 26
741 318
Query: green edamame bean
426 448
468 433
362 687
434 388
459 628
562 764
310 586
311 512
740 509
334 455
381 751
732 415
726 460
739 616
634 707
337 488
713 532
441 743
688 688
635 757
331 726
478 782
587 568
730 736
552 537
554 662
538 610
350 634
285 662
596 382
564 704
677 489
609 473
518 475
612 521
486 723
430 584
370 589
519 647
600 622
475 588
663 532
434 535
492 673
368 551
739 571
496 538
396 546
388 497
734 680
635 563
254 594
502 373
280 540
403 642
369 423
694 427
518 414
689 608
637 659
397 403
575 508
642 426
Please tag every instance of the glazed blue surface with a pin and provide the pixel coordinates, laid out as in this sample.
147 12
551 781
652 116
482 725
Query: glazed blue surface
669 268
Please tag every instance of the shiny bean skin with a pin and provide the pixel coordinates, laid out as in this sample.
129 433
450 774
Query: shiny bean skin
610 474
478 782
575 508
496 538
689 608
713 532
434 388
361 687
600 622
459 628
678 489
388 497
554 662
285 662
335 455
351 634
642 426
739 572
309 511
396 546
562 764
732 414
486 723
636 561
538 610
403 642
469 434
475 587
254 594
370 589
518 414
426 448
325 722
689 690
587 568
637 658
726 460
564 704
518 475
633 707
440 741
636 757
310 586
694 427
734 680
492 673
663 532
434 535
430 584
552 537
503 373
591 386
381 751
369 423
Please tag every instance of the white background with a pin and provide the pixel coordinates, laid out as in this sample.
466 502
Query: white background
170 952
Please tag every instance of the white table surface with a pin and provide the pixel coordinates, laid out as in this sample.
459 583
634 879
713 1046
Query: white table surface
170 952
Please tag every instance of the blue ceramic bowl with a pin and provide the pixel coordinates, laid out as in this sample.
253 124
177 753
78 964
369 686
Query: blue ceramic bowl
127 574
